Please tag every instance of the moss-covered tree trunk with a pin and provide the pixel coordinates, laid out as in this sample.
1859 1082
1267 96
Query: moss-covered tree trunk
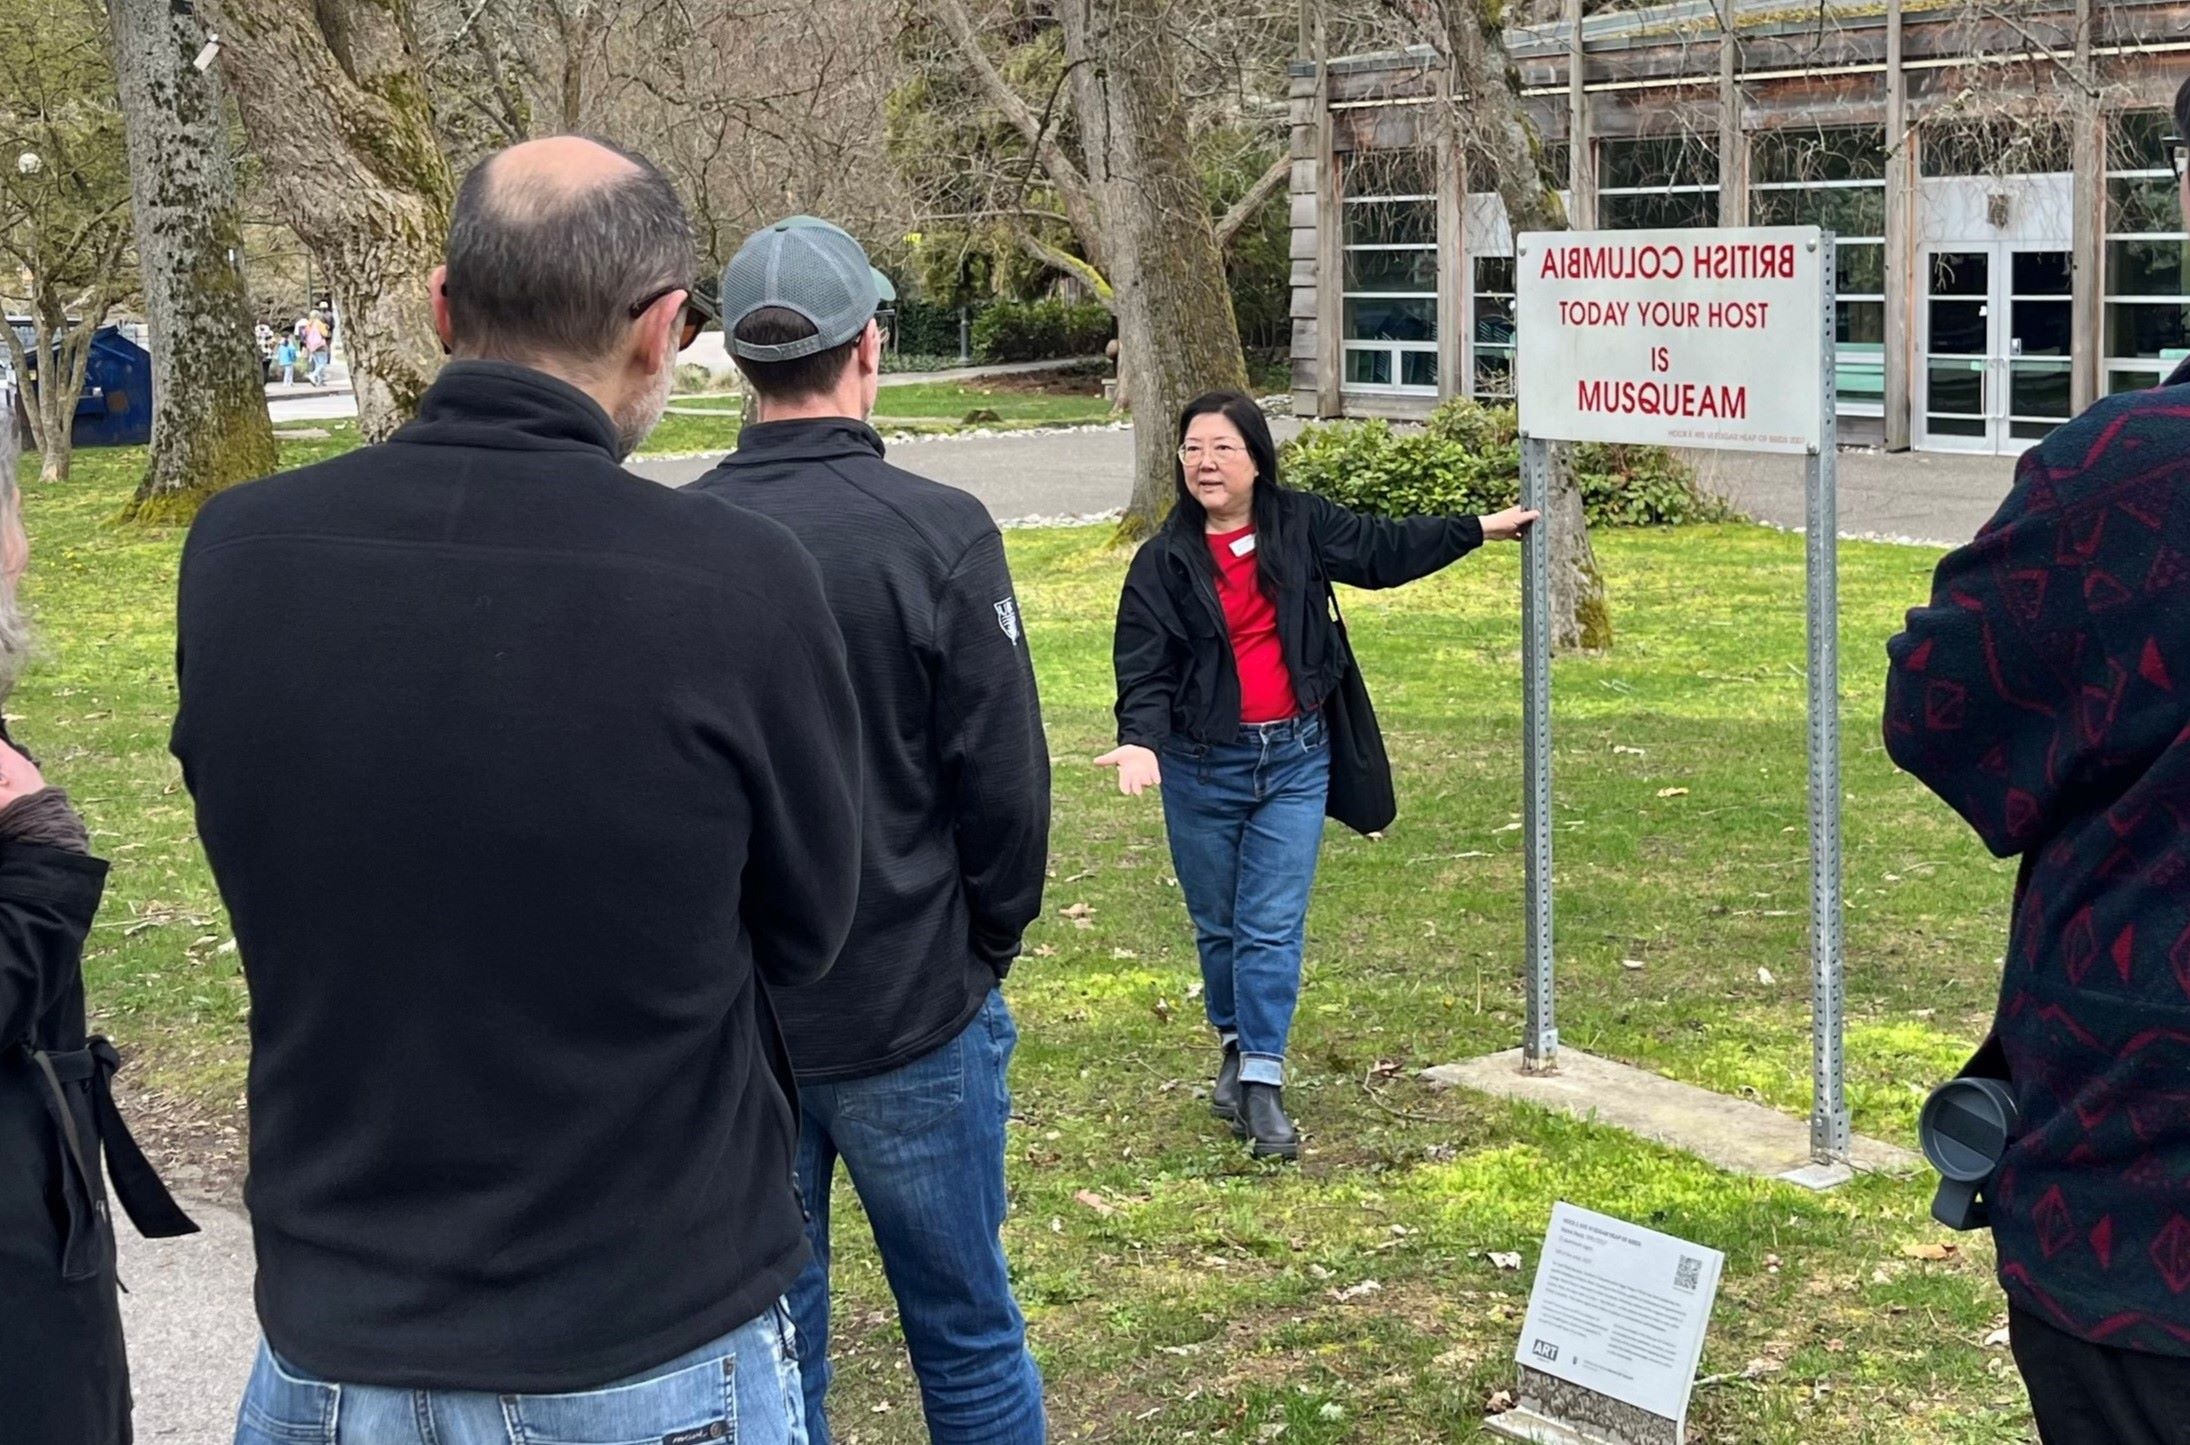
1177 336
209 422
335 101
1494 129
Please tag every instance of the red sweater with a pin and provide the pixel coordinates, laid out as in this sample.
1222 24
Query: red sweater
1265 685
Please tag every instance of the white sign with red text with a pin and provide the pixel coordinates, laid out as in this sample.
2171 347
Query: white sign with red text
1673 338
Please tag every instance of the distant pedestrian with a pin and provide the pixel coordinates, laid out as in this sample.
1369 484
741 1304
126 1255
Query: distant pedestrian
316 349
524 780
285 357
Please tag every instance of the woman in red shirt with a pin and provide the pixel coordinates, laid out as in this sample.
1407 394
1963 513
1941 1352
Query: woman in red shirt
1225 653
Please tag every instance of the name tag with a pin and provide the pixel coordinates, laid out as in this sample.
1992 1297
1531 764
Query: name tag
1244 545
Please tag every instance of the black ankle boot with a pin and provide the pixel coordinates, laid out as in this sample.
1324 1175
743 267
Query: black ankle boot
1270 1134
1224 1097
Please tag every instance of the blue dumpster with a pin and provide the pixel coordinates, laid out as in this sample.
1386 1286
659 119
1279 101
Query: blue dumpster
115 409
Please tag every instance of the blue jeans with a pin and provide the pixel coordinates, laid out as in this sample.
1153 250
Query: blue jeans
924 1145
1246 824
739 1390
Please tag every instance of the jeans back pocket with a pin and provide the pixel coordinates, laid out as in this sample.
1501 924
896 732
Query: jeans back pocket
280 1408
696 1405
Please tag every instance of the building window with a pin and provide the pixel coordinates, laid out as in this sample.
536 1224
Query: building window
1389 245
2147 255
1835 178
1491 304
1489 293
1655 182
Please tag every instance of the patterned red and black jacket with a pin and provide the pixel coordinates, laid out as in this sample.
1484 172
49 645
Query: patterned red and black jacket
2045 694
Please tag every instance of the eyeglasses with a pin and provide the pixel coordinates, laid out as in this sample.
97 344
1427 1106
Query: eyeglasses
1221 453
696 313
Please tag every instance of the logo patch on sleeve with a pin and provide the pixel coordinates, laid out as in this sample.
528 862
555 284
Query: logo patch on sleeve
1007 617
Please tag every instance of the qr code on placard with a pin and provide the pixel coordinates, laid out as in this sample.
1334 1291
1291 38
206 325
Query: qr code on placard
1687 1274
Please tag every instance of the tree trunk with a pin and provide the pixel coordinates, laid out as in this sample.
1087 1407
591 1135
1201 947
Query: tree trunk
1177 336
209 422
1493 127
50 376
336 105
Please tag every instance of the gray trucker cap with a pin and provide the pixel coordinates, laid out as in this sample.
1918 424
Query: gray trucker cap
809 267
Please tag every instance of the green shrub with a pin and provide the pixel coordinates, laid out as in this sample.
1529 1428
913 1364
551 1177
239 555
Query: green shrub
924 327
1040 330
1466 459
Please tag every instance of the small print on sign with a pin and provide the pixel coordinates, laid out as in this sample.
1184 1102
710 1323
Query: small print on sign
1620 1310
1678 338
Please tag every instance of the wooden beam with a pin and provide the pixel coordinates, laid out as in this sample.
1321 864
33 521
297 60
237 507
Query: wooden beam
1330 232
1733 135
2088 223
1900 239
1581 170
1453 351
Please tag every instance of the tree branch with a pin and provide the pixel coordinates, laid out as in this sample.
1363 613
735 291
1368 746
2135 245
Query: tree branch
1257 196
1072 185
1072 265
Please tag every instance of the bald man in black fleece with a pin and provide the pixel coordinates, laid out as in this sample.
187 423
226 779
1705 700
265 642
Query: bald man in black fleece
520 777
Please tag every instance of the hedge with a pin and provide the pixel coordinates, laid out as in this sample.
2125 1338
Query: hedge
1040 330
1466 460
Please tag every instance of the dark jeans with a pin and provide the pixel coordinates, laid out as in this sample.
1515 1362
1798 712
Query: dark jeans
2086 1394
1246 824
924 1145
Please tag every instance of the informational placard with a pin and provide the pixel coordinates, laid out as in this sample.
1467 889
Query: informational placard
1674 338
1620 1310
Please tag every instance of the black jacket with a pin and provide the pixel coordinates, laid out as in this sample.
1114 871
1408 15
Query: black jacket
519 776
63 1376
1173 654
957 769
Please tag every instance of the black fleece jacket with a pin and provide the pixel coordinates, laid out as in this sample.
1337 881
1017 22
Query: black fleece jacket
1173 654
520 775
957 768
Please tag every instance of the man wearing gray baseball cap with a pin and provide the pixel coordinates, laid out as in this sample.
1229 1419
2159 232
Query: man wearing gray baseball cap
901 1052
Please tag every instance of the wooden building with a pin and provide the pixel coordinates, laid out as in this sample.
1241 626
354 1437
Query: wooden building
2001 178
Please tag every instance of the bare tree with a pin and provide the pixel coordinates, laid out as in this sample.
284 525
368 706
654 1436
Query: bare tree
209 421
337 107
1492 125
1127 186
64 209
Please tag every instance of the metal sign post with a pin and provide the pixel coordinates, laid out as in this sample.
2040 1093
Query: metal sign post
1706 339
1829 1127
1540 1043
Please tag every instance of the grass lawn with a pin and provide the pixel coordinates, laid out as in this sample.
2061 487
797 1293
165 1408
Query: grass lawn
928 406
1178 1291
915 407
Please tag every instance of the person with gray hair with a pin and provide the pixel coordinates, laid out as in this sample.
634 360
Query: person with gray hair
524 780
63 1375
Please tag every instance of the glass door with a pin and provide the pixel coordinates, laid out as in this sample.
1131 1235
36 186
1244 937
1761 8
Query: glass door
1959 344
2040 340
1997 342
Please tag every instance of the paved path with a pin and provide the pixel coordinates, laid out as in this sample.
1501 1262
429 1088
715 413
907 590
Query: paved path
1936 497
1033 474
190 1326
1916 496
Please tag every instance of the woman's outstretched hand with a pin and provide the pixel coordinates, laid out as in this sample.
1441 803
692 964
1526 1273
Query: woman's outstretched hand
1507 525
1137 768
